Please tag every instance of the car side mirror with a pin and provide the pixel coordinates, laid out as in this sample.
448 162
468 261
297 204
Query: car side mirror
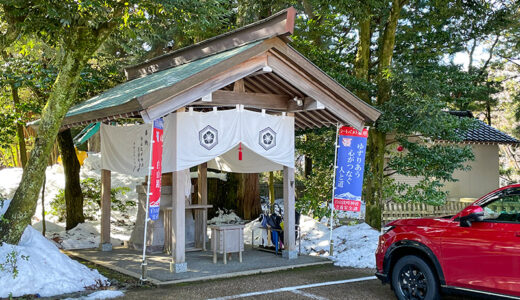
472 213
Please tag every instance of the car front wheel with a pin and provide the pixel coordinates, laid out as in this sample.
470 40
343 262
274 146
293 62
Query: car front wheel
413 278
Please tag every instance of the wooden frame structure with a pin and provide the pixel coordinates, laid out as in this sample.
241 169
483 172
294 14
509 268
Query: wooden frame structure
260 71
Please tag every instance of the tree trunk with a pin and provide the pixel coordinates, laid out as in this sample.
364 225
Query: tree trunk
79 46
248 196
308 166
71 168
44 225
488 113
19 128
362 62
23 204
373 192
271 191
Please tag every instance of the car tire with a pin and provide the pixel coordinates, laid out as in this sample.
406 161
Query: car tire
413 278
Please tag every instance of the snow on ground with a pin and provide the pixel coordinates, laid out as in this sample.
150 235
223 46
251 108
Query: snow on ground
4 204
100 295
43 269
86 235
225 218
354 245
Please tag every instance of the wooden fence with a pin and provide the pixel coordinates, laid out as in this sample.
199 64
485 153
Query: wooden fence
278 190
394 211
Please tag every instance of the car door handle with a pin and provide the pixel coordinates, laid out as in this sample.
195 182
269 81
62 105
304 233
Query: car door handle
517 234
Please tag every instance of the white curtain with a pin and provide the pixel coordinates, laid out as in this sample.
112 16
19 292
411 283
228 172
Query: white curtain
126 149
192 138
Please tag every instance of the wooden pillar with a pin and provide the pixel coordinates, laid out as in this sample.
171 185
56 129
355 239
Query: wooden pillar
289 214
178 222
201 215
105 244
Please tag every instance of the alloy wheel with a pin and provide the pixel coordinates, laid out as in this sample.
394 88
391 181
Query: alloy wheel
413 282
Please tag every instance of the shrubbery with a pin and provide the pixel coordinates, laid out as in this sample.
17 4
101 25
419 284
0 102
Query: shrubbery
91 189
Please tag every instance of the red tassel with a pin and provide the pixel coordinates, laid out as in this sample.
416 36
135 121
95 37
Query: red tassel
240 151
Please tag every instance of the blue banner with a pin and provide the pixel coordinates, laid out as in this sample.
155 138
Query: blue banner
350 164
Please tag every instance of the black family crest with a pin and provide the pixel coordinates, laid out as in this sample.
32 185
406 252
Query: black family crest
267 138
208 137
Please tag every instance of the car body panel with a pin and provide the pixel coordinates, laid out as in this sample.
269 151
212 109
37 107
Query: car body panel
478 257
483 257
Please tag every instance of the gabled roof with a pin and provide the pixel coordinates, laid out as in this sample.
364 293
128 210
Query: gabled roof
272 75
281 24
483 133
129 92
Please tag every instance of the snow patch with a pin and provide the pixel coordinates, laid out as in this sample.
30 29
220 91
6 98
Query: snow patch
225 218
4 204
354 245
86 236
100 295
83 236
45 271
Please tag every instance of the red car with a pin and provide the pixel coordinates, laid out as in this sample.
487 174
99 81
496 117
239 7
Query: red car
474 252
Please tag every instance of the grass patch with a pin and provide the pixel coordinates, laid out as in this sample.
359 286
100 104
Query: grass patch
119 280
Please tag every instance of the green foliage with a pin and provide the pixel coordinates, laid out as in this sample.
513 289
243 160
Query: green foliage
319 145
10 264
416 119
317 193
424 84
91 189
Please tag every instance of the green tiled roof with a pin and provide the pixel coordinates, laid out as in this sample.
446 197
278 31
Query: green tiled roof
129 90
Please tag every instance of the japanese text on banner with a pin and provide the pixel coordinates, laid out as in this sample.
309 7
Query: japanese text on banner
350 167
156 172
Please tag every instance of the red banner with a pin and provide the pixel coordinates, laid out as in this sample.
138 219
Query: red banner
350 131
156 172
347 205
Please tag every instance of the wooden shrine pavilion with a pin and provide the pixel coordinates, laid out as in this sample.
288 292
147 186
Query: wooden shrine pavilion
253 67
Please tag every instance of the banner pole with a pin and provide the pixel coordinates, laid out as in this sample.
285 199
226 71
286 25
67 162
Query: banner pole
331 251
144 264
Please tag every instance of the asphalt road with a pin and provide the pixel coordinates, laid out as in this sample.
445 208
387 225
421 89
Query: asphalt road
280 285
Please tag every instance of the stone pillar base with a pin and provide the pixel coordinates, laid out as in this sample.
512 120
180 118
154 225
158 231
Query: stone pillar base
105 247
178 267
289 254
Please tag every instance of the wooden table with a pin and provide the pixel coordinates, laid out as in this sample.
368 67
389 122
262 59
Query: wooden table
200 223
227 239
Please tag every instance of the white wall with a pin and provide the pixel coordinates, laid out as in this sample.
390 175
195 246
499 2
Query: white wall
481 179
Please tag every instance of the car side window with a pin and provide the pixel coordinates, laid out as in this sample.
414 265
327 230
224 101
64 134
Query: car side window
503 207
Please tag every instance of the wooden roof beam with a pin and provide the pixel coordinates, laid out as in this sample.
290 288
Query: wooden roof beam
253 84
328 121
182 94
274 86
253 100
280 24
287 86
309 87
308 103
302 62
301 119
298 124
312 118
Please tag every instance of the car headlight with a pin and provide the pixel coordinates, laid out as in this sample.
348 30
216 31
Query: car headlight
386 229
